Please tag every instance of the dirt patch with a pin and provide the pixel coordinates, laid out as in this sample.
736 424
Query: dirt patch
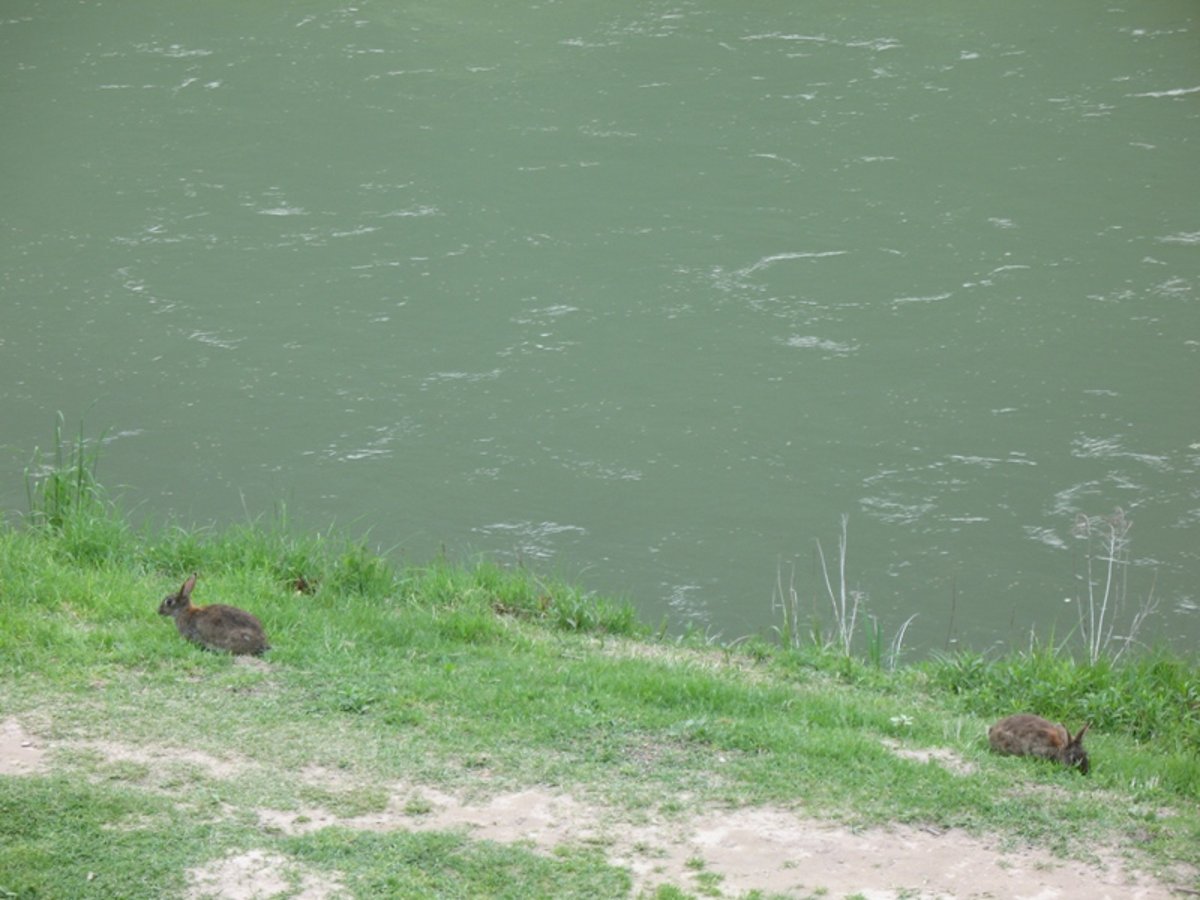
162 758
775 851
256 875
325 777
942 756
20 752
772 850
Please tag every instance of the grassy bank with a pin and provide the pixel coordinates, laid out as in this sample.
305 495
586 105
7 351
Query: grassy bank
473 679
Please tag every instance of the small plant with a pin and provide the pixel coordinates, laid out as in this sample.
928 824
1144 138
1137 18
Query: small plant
64 485
786 601
845 604
1106 585
876 655
418 806
362 572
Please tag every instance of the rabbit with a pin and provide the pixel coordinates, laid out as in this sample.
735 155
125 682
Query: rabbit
216 627
1029 735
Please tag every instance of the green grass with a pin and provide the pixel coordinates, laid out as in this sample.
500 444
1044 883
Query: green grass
474 679
421 865
57 833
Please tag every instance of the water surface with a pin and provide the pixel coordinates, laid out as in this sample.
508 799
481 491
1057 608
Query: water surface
646 294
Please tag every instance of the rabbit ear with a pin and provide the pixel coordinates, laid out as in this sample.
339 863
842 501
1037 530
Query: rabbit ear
186 590
1082 732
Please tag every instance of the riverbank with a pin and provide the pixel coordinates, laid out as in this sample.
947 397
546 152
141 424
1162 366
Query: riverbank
467 730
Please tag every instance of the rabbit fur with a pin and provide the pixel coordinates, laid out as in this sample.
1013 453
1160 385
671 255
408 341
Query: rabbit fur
215 627
1029 735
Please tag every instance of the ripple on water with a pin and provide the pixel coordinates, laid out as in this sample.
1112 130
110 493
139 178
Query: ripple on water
1191 238
1044 535
534 540
435 378
684 602
1087 447
377 443
784 257
895 511
825 345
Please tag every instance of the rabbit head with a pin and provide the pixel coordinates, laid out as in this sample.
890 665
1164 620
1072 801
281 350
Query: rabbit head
173 604
1073 754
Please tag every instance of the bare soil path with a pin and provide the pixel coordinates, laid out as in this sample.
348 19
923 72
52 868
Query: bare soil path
771 850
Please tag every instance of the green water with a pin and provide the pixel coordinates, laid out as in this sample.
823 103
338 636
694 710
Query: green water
646 294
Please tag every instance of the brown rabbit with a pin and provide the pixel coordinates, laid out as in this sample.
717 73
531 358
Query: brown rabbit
1029 735
217 627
